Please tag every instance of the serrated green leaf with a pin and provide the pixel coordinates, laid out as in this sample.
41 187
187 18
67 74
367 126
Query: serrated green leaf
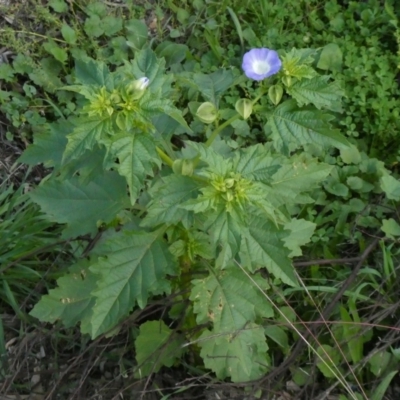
295 178
256 163
92 72
88 167
300 234
242 356
229 300
225 228
331 58
152 107
6 72
86 134
391 186
23 64
71 302
135 265
96 8
262 246
296 63
47 75
319 92
213 85
293 127
155 347
93 26
48 147
136 155
217 163
146 64
167 199
82 206
111 25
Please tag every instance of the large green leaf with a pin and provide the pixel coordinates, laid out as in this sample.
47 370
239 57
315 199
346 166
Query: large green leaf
213 85
135 265
156 346
85 136
167 199
88 166
92 72
256 163
82 205
152 107
262 246
300 234
236 346
229 300
48 147
136 155
299 175
217 163
71 301
242 356
319 92
293 127
225 228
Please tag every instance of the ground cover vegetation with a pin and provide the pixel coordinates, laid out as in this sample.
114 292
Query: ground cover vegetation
184 215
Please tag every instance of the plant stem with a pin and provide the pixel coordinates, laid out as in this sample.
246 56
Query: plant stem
220 128
167 160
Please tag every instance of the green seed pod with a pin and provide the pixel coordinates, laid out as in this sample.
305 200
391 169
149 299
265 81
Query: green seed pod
229 182
207 113
287 80
244 107
183 167
275 94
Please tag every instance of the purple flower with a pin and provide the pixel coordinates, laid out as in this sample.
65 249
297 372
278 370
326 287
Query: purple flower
259 64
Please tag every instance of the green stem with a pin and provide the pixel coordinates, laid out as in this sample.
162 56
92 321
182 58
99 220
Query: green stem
258 97
167 160
220 128
228 122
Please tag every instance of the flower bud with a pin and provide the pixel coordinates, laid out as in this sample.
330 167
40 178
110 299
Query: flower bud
207 113
138 87
244 107
229 182
183 167
275 94
287 80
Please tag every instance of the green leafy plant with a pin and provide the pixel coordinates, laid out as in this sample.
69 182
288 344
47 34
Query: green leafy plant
200 205
177 180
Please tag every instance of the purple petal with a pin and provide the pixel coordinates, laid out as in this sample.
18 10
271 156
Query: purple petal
259 64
